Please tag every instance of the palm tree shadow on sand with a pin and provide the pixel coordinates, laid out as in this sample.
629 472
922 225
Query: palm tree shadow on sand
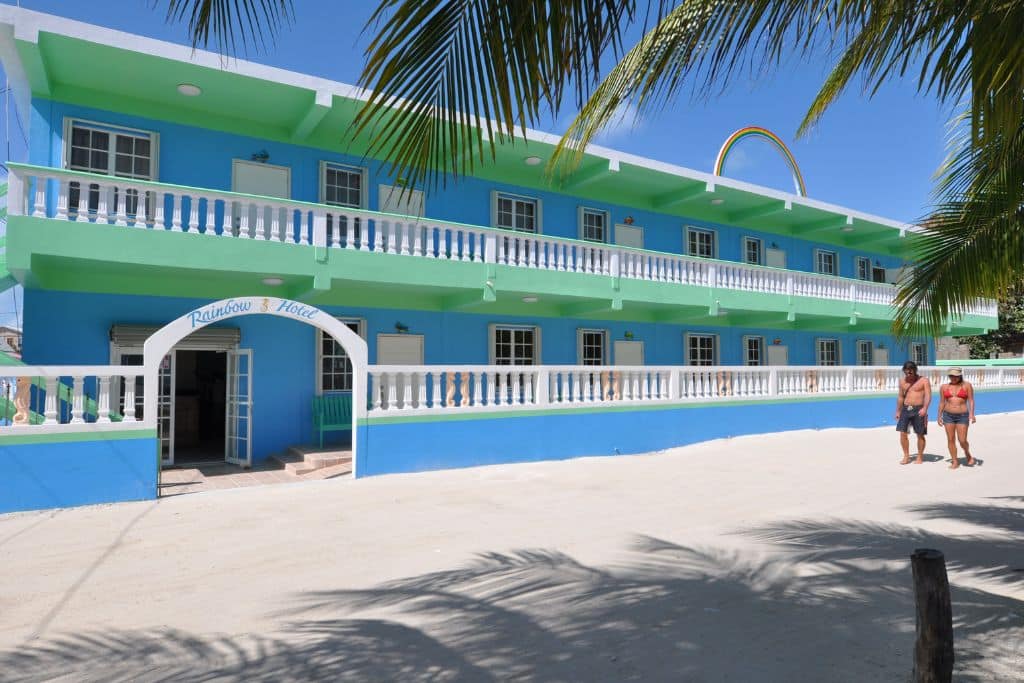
835 603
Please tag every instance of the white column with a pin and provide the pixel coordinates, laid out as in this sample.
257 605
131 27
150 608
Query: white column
243 221
82 212
407 390
39 208
159 223
227 228
102 214
192 223
261 220
421 393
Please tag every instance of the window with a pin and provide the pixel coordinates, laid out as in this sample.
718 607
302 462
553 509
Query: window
342 185
827 351
865 352
591 347
593 225
109 150
919 352
516 213
825 262
753 250
701 242
514 345
701 349
753 351
334 369
863 268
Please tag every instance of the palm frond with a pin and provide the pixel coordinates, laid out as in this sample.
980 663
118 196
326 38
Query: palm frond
449 79
229 23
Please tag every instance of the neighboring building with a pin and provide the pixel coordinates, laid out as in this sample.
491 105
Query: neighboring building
10 341
135 145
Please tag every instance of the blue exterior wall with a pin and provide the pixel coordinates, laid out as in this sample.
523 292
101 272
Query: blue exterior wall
202 158
284 351
417 446
38 476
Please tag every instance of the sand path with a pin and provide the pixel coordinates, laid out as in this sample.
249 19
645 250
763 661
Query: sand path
771 558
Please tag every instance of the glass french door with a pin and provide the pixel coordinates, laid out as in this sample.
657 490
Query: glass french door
165 409
238 430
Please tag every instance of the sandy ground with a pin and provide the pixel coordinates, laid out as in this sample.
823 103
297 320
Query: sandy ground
767 558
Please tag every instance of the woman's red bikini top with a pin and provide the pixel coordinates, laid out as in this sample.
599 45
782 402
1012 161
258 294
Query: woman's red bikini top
948 393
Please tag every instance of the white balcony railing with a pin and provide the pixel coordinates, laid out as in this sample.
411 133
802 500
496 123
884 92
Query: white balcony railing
43 399
138 205
425 389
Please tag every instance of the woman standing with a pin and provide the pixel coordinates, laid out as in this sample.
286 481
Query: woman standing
956 414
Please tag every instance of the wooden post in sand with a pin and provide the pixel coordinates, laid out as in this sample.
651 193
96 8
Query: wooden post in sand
933 651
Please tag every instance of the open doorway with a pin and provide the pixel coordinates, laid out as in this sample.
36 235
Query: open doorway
200 391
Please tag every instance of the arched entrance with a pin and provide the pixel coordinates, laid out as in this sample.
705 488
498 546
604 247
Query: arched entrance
160 343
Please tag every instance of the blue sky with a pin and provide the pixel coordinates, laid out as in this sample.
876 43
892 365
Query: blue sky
875 155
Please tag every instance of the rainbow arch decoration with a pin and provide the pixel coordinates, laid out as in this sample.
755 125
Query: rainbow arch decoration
775 140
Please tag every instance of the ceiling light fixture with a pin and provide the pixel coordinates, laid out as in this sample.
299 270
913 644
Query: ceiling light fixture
189 90
846 228
532 161
530 299
717 201
273 281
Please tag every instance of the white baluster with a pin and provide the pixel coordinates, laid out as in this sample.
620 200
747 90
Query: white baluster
211 217
391 379
261 218
227 229
129 398
435 392
77 389
121 199
82 212
421 393
50 410
159 223
375 391
102 214
39 206
176 212
103 399
192 221
244 209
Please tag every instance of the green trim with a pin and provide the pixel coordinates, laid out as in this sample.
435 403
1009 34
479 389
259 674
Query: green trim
74 437
1011 362
508 414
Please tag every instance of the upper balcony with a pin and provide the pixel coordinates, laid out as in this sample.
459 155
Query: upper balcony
80 231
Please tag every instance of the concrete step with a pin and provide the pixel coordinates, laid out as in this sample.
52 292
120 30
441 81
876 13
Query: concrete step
303 460
329 472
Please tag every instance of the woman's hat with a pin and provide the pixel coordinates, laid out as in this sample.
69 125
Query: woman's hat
955 372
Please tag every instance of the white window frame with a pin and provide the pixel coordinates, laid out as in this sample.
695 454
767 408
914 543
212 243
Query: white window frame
580 333
319 336
337 166
862 263
538 222
690 229
690 336
818 346
922 358
869 345
760 250
761 352
818 253
492 330
154 144
581 214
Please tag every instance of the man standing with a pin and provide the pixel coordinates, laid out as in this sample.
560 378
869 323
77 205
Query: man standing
912 401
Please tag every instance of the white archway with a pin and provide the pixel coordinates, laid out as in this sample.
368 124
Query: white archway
163 340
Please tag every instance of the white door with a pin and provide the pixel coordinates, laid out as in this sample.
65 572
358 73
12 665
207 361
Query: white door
778 355
264 180
238 430
165 409
629 235
400 200
880 356
775 258
629 352
399 349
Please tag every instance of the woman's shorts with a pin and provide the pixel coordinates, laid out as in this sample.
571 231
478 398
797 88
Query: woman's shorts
955 418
